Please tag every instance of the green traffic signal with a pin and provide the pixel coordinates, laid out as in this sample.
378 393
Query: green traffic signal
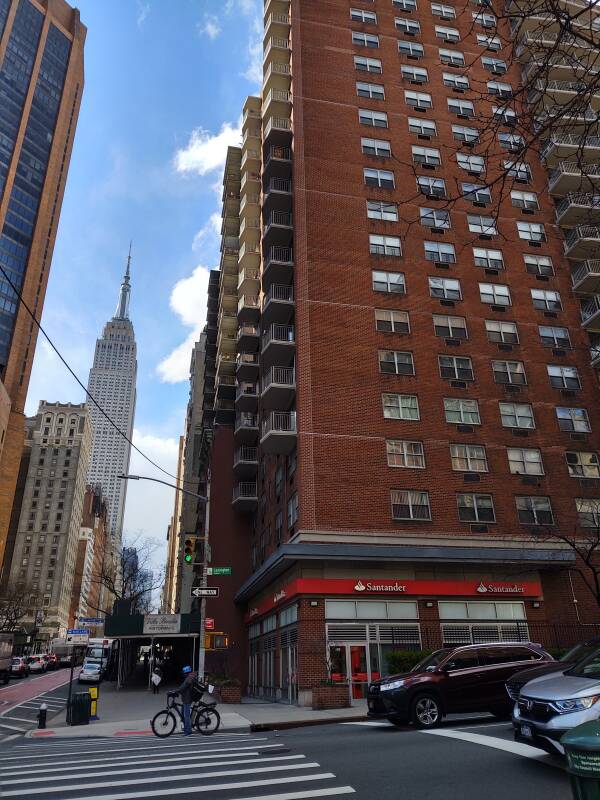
188 558
188 552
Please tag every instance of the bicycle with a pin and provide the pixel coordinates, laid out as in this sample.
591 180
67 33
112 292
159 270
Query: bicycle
204 717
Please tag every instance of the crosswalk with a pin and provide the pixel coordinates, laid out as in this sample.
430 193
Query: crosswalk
224 766
22 717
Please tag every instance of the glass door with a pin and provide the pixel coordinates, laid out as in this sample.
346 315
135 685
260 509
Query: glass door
359 670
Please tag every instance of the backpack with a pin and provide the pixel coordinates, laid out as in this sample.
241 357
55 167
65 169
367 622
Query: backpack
197 691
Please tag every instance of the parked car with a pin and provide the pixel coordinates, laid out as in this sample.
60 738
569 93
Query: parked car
19 667
36 664
91 672
51 661
6 649
553 704
565 662
453 680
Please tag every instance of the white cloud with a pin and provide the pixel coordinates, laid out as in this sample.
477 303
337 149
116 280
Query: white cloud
143 9
206 152
209 233
254 72
210 27
246 7
188 301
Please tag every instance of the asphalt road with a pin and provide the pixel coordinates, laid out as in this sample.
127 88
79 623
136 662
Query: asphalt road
21 698
367 761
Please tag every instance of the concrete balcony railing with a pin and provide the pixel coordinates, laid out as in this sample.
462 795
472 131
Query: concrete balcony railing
281 97
578 208
248 308
250 114
278 129
249 200
586 277
249 135
250 155
572 177
247 366
248 279
565 146
276 47
249 226
590 314
250 182
277 75
582 242
248 338
278 434
249 256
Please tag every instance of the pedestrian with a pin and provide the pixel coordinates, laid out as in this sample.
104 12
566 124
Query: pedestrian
185 690
156 678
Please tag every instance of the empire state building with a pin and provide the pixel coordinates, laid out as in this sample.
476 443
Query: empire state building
112 383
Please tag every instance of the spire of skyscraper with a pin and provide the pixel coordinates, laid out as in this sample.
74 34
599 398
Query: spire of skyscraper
122 311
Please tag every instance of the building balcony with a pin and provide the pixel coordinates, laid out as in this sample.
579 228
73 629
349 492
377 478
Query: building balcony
249 256
248 309
246 428
595 355
251 159
248 202
573 177
229 261
225 387
582 242
278 304
278 194
251 137
277 131
227 287
559 66
224 411
247 365
278 163
228 303
249 281
225 364
567 146
250 116
583 120
586 277
278 345
228 321
561 92
225 341
230 243
277 48
278 389
248 339
246 397
250 182
532 43
249 229
231 204
277 75
278 433
578 209
245 462
278 228
521 23
277 103
276 7
590 314
277 24
245 496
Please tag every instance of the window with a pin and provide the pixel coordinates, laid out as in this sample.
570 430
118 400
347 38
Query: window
380 209
365 39
465 134
517 415
497 294
364 64
502 332
434 217
464 108
534 511
481 18
512 372
538 265
573 419
476 193
498 89
452 58
445 288
390 282
400 406
376 119
546 300
372 90
485 226
460 82
441 252
381 178
489 259
418 99
426 155
518 170
588 512
475 508
471 163
446 12
495 65
408 504
583 465
390 321
376 147
511 141
424 127
405 454
527 200
358 15
410 27
456 368
292 510
405 5
489 42
468 458
555 337
410 49
461 412
414 74
563 377
531 231
525 461
450 327
447 34
396 362
385 245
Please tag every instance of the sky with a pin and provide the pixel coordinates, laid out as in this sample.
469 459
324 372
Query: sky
165 82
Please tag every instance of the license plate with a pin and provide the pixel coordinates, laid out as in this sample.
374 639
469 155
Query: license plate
526 732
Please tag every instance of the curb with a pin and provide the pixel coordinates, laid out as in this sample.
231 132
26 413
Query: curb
261 727
117 734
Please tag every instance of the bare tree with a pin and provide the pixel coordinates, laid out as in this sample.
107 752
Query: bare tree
16 603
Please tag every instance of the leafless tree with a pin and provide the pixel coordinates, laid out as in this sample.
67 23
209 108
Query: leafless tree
16 603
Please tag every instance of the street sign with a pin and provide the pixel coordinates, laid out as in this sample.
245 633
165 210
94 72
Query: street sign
205 591
91 620
209 624
77 636
218 570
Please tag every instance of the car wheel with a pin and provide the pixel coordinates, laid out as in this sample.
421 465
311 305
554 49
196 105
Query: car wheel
426 711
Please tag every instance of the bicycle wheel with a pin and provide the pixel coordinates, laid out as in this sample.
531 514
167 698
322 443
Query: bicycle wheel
163 724
208 721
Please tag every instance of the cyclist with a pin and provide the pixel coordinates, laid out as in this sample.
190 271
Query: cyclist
185 690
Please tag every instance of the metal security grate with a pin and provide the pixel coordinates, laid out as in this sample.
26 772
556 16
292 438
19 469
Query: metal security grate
404 636
347 633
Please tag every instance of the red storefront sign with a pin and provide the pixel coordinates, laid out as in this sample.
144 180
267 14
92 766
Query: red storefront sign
376 587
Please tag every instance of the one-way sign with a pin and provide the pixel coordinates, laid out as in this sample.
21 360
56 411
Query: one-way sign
205 591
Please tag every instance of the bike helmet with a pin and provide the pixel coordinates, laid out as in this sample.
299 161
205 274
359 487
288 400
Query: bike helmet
186 670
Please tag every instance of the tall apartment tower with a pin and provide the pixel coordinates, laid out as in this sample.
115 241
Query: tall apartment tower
45 549
112 383
414 398
41 82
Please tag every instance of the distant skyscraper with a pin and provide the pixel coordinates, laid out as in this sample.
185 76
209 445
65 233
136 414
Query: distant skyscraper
112 383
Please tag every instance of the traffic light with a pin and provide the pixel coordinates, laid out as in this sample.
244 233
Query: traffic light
188 551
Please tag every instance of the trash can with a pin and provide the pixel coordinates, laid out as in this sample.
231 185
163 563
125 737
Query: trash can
582 748
80 709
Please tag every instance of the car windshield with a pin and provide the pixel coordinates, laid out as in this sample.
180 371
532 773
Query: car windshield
32 659
16 662
580 651
429 663
92 663
588 667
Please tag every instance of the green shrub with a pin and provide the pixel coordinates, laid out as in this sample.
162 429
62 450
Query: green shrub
404 660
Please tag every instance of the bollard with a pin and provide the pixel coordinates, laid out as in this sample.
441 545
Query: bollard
94 692
42 713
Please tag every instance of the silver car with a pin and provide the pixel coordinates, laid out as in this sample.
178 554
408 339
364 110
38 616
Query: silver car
553 704
91 672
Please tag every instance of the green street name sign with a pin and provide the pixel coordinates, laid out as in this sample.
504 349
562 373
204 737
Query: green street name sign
218 570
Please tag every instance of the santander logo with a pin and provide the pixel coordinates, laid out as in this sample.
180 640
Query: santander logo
482 588
360 587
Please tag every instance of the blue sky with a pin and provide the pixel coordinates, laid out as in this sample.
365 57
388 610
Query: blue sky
165 81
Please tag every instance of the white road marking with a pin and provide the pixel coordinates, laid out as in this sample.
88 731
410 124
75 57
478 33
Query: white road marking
508 746
506 725
370 724
13 727
16 719
336 790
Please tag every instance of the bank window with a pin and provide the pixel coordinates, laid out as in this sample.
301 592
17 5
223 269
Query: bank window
358 15
534 510
364 64
485 226
563 377
410 505
376 119
449 327
376 147
411 49
409 27
440 252
468 458
380 178
517 415
573 419
424 127
400 406
501 332
462 133
389 282
546 300
372 90
390 321
418 99
509 372
385 245
588 512
445 288
426 155
396 362
555 337
365 39
526 200
582 465
401 453
480 610
475 508
452 58
525 461
461 412
380 209
496 294
456 368
538 265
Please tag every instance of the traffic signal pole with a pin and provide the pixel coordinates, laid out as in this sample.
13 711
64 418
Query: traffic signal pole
204 583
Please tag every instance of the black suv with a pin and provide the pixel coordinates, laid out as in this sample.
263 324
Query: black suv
453 680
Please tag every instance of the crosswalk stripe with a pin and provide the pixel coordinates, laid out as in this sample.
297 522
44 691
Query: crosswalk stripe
335 790
9 716
84 744
190 777
507 745
12 727
191 762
